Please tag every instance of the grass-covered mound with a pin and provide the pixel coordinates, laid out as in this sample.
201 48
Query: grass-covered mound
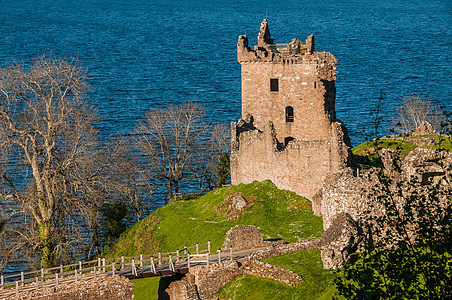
366 153
317 282
277 214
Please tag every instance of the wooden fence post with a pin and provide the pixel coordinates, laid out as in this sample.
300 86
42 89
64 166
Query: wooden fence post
95 274
22 277
134 270
61 269
188 261
152 264
197 248
177 255
185 249
141 260
56 279
42 273
103 264
219 255
17 288
207 258
75 274
98 262
80 266
122 262
160 258
37 283
208 246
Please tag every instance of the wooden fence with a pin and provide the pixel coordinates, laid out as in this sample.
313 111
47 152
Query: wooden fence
130 267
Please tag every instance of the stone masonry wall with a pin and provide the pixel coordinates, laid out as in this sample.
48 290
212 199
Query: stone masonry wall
301 167
242 237
346 193
305 82
210 279
110 287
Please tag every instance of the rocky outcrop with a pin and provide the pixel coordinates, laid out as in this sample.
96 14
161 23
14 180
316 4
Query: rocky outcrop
234 204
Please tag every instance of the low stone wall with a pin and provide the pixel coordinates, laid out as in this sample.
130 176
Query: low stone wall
182 290
242 237
109 287
303 245
210 279
261 269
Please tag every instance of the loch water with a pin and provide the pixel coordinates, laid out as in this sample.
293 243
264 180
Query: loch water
144 54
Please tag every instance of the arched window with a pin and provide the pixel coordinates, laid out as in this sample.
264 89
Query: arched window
289 114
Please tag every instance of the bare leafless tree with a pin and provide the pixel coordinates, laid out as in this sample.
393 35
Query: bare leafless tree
132 181
167 136
210 163
415 112
46 135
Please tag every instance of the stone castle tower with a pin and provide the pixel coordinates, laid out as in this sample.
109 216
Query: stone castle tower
288 132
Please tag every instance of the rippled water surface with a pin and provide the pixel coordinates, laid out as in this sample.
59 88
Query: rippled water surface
146 54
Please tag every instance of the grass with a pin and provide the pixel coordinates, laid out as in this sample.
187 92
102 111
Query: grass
317 282
146 288
366 153
277 214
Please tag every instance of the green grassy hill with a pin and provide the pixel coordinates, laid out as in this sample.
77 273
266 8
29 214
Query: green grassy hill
277 214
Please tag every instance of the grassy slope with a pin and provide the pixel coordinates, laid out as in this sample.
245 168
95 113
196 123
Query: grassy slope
276 213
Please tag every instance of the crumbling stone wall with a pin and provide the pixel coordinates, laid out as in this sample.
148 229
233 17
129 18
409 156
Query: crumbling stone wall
339 241
242 237
261 269
301 166
346 193
210 279
295 153
182 290
108 287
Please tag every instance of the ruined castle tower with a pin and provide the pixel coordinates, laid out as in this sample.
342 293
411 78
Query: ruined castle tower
288 132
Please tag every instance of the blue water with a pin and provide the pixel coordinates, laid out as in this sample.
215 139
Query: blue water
146 54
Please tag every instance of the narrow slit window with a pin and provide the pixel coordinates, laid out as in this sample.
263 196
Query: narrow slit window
289 114
274 85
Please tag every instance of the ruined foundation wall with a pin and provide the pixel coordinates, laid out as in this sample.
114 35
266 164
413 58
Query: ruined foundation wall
110 287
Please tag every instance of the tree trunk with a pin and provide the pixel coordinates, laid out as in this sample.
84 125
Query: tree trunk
46 249
176 186
169 188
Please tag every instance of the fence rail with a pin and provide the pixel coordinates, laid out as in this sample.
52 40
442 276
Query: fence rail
131 267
